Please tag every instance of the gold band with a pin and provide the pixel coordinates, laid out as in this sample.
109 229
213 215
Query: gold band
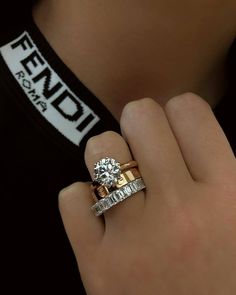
130 164
101 191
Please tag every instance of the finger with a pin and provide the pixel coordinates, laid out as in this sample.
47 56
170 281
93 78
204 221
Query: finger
204 146
153 144
111 144
84 230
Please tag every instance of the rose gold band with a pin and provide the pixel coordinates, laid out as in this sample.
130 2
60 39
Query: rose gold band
101 191
130 164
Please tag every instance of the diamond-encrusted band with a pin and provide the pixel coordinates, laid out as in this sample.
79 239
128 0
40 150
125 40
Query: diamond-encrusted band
118 196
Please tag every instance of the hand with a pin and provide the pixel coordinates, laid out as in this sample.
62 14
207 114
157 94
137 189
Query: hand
179 235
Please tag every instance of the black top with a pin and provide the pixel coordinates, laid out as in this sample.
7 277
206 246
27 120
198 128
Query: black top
46 116
37 160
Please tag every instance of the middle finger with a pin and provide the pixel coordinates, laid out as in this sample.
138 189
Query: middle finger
154 145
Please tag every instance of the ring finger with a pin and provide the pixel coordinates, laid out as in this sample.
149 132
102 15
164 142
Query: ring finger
111 144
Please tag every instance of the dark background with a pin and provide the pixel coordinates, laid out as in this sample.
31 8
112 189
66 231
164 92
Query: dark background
13 11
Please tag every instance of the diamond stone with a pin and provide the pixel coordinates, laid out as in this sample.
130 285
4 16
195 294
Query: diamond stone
107 203
115 196
128 190
107 172
118 195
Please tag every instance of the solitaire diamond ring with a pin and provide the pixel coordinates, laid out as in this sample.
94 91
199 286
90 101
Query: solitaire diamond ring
107 172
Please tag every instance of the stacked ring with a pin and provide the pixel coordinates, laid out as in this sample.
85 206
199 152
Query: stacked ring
101 191
113 183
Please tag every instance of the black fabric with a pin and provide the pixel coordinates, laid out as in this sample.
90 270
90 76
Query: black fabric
13 11
225 111
36 163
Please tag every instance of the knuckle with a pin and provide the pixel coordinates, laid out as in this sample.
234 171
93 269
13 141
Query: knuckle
108 135
107 144
90 143
134 110
103 137
136 105
186 102
99 143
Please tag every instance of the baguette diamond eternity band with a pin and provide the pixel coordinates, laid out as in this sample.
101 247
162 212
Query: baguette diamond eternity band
118 196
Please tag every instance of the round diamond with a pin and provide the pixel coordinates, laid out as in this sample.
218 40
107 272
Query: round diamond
107 172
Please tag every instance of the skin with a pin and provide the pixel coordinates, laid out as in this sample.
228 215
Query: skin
127 50
178 236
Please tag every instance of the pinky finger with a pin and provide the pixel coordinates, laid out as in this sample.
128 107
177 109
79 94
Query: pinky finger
83 229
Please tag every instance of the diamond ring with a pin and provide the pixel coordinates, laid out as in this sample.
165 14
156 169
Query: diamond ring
107 171
118 196
126 176
114 182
